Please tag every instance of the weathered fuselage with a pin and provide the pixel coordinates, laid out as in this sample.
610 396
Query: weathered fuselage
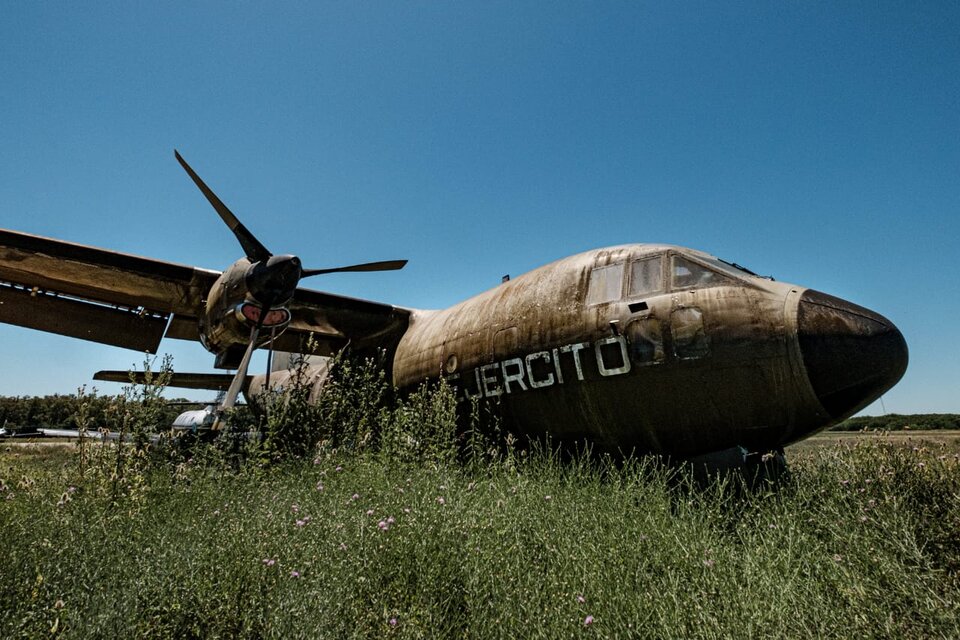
656 348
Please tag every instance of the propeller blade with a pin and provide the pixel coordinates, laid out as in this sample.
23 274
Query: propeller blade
255 251
239 379
386 265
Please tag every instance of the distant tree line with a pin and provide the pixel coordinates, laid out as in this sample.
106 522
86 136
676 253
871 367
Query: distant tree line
59 411
897 422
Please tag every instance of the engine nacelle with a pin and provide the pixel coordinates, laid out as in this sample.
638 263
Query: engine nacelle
231 312
312 375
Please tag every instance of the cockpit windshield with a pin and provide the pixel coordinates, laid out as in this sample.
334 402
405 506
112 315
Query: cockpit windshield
733 267
688 274
738 267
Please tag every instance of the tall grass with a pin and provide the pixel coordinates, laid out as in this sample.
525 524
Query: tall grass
405 536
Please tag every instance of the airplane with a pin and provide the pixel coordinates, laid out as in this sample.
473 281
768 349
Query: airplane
644 348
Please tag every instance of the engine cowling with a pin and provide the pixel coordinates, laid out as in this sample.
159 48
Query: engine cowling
311 374
232 311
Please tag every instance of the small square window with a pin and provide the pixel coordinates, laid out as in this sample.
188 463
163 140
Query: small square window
646 277
606 284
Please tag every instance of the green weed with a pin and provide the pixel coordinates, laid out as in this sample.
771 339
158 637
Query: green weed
391 528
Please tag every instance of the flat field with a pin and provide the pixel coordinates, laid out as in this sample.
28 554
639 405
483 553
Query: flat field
942 440
862 540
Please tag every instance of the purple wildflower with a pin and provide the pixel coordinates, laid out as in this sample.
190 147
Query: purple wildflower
588 621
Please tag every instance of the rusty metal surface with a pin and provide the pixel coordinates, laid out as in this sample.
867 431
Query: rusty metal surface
159 288
707 358
314 374
101 275
685 370
331 320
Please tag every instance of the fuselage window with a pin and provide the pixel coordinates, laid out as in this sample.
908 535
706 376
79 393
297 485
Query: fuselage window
688 274
606 284
646 277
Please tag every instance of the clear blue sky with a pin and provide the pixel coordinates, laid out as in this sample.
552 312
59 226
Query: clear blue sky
817 142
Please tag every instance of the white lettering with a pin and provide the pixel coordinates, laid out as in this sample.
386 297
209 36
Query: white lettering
612 371
487 380
556 366
575 350
513 377
492 379
538 384
479 393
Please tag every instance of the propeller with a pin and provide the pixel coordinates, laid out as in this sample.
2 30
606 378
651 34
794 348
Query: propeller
386 265
254 249
271 280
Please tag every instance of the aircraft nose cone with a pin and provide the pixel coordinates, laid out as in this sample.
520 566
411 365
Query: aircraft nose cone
852 355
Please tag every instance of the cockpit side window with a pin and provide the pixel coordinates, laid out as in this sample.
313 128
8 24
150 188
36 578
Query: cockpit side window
606 284
687 274
646 276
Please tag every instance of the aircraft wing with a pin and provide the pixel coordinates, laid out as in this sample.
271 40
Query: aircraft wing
212 381
133 302
95 294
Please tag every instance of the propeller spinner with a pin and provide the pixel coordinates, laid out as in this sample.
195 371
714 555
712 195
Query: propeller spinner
271 280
